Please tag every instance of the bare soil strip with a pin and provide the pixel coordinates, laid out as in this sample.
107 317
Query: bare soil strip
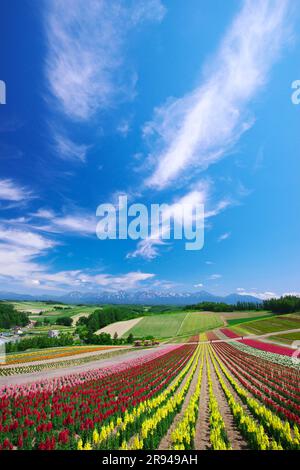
165 443
120 327
235 438
237 398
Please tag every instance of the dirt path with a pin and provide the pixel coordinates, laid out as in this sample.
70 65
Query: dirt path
165 443
235 438
202 437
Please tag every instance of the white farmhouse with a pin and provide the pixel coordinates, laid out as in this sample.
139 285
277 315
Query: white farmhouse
53 334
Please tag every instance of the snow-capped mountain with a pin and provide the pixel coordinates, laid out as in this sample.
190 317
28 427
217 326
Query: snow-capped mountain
150 297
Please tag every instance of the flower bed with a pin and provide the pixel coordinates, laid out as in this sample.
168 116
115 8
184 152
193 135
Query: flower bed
268 347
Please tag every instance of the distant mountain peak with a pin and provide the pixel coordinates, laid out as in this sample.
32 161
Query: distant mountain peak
150 297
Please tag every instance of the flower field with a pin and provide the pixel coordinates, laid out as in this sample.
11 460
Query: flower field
192 396
268 347
51 353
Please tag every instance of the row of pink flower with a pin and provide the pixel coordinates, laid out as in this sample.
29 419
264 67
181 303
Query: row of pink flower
81 377
268 347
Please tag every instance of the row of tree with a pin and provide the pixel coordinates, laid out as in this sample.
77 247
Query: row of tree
284 304
39 342
223 307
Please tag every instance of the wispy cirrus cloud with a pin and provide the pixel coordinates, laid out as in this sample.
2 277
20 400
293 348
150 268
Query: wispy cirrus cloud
13 192
75 222
224 236
202 126
67 149
148 248
19 249
85 65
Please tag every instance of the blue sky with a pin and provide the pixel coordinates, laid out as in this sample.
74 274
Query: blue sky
160 100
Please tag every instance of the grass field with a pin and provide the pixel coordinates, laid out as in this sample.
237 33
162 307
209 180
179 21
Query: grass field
175 324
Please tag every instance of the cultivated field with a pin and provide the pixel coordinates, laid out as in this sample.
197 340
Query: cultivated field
237 394
268 325
120 327
205 396
170 325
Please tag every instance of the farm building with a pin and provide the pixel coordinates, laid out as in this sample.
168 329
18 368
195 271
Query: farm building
53 333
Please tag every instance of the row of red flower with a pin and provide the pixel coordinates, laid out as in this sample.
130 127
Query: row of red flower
47 418
275 401
286 385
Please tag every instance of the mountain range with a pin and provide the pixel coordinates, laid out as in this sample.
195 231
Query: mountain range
149 297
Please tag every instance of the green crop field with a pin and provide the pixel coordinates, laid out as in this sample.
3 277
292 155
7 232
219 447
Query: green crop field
269 325
175 324
288 338
244 314
238 321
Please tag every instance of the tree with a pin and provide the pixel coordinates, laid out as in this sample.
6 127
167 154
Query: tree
130 338
66 321
10 317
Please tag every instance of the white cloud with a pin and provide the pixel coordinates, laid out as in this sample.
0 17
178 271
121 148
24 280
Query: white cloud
67 149
224 236
76 223
21 265
148 248
86 41
213 277
201 194
199 128
19 250
198 285
259 295
123 128
11 191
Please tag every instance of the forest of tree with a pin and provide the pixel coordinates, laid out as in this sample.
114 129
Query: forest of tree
285 304
10 317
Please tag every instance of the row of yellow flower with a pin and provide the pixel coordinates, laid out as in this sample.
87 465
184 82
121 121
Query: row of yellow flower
183 435
155 427
218 435
255 434
273 425
148 406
